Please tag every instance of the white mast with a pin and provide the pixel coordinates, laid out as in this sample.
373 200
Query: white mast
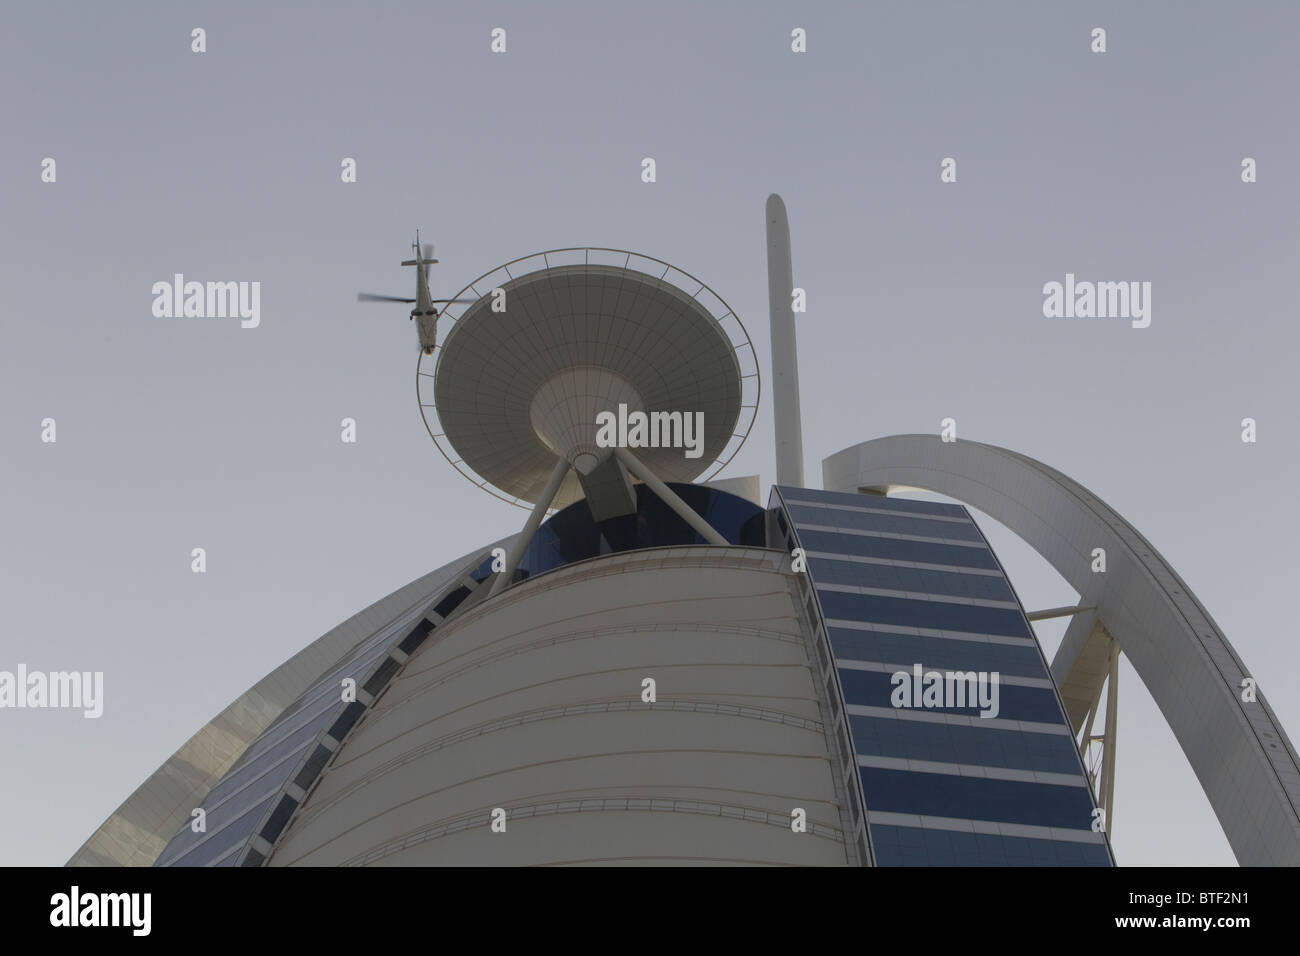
785 357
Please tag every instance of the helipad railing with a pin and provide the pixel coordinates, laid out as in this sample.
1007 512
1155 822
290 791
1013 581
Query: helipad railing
426 370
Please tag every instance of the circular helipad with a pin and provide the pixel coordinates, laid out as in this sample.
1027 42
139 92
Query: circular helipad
605 319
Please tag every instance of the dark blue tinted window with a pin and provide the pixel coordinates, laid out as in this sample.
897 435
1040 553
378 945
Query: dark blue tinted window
250 769
571 535
977 798
371 650
874 689
988 587
483 571
897 549
888 524
1020 660
231 836
962 743
902 505
913 846
941 616
321 696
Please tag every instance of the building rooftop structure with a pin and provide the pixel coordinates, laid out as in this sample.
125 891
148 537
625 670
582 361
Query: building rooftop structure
666 670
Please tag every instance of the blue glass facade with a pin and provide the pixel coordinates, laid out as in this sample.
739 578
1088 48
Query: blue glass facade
292 749
899 589
572 535
237 804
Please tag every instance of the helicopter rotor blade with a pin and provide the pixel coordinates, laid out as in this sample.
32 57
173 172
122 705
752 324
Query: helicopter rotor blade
370 297
455 301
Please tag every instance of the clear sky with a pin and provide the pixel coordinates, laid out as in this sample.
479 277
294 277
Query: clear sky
924 302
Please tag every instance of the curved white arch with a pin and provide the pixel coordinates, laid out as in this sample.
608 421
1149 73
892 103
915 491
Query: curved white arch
1239 752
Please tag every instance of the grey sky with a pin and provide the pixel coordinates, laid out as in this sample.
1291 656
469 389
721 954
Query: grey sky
924 302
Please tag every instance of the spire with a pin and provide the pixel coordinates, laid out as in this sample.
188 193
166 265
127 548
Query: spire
785 357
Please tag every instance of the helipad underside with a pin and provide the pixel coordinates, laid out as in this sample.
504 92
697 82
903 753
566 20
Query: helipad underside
642 328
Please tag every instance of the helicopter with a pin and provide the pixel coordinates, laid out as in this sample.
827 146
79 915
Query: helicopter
424 313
